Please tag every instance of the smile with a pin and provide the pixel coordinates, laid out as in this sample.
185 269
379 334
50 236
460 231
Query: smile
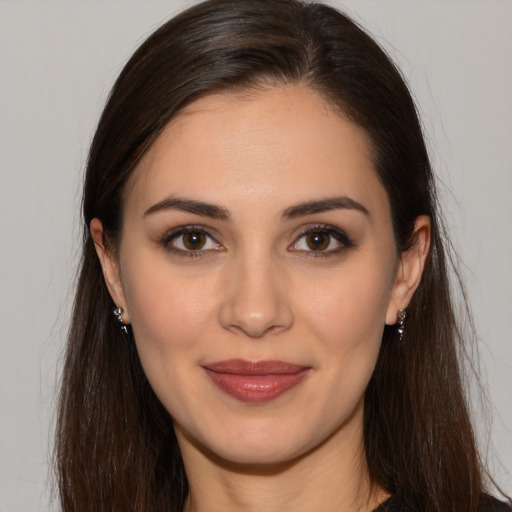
255 382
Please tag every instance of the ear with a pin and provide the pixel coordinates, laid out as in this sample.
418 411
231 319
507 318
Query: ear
410 269
110 266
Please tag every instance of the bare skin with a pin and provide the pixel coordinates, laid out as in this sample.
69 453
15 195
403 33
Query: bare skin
256 229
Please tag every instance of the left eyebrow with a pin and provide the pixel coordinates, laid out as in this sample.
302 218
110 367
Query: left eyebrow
324 205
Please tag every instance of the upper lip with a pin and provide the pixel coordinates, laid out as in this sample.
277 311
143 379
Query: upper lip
243 367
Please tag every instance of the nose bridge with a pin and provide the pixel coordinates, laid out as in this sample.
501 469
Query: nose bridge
255 300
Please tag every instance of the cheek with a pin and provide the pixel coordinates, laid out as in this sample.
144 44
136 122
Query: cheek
169 316
168 312
350 310
347 313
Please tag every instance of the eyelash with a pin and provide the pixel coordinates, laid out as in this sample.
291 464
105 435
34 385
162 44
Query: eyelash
338 235
333 233
173 235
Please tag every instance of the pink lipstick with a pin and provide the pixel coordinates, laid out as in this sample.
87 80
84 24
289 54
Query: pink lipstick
255 382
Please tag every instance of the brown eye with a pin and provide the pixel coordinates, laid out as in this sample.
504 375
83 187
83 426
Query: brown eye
194 240
318 240
322 241
190 241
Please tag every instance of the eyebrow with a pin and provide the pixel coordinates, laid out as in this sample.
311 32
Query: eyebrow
191 206
324 205
218 212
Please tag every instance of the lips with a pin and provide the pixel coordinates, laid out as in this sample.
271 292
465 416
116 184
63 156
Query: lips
255 381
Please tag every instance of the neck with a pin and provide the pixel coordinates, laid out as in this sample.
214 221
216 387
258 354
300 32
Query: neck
333 478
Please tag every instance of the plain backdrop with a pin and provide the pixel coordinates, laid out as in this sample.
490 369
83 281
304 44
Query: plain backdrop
57 63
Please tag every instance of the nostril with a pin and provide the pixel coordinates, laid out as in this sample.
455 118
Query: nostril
256 319
254 301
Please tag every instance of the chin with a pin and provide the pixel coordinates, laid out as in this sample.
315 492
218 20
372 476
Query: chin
257 446
251 457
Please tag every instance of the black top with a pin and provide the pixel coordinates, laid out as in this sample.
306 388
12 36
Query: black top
397 504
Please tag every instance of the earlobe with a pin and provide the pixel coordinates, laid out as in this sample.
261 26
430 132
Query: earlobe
410 269
109 266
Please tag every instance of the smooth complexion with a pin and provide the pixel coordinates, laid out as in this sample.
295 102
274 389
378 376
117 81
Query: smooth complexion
256 232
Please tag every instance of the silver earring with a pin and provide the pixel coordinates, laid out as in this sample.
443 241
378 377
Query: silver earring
402 315
118 315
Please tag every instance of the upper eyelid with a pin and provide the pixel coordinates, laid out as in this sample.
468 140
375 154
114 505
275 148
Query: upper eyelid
321 227
187 228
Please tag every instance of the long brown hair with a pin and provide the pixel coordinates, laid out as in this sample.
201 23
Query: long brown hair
116 449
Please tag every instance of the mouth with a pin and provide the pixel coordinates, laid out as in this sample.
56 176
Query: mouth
255 381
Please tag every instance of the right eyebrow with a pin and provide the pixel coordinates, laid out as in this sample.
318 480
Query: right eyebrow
191 206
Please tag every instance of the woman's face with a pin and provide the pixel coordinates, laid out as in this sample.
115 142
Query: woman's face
257 267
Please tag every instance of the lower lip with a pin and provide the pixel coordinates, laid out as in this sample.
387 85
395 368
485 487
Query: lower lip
256 388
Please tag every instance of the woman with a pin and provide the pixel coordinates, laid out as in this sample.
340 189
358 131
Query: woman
260 215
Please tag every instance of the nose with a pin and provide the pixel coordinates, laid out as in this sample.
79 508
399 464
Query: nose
255 299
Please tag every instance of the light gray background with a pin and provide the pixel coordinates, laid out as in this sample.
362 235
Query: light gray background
57 63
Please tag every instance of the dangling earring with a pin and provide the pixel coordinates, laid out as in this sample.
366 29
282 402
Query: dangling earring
402 315
118 315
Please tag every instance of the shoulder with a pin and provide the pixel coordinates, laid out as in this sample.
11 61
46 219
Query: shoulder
490 504
394 504
397 504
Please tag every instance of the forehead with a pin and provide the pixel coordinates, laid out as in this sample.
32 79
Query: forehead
267 147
